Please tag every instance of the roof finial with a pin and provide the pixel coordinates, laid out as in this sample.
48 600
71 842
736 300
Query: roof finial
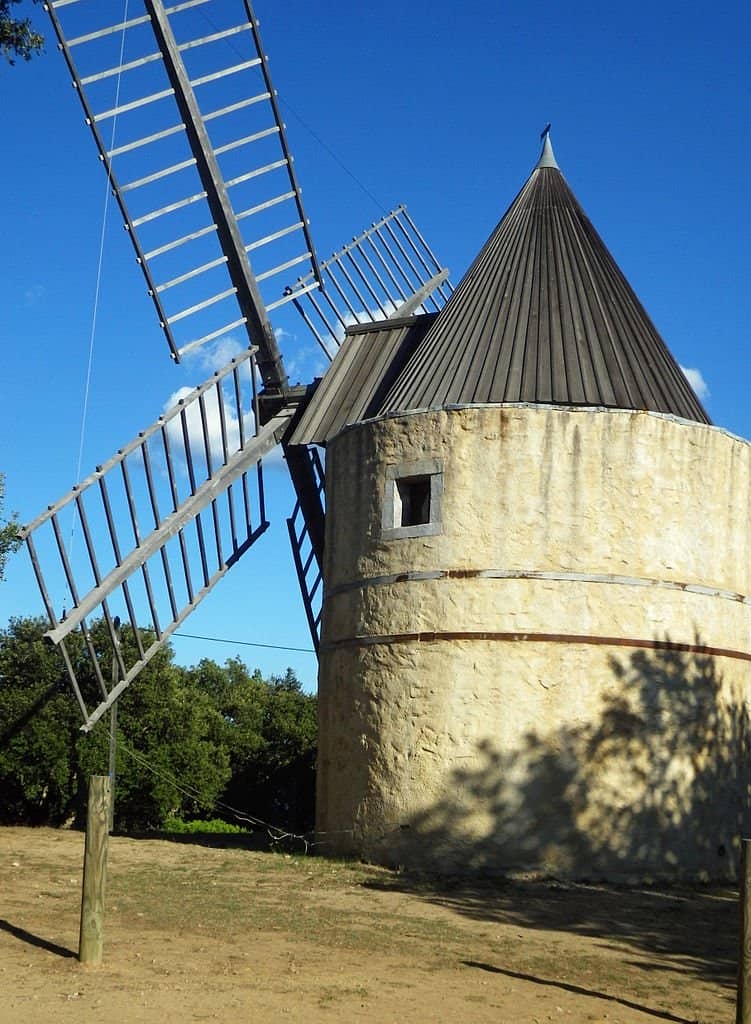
547 157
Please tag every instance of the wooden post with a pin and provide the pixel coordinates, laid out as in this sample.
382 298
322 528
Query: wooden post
94 871
743 1003
113 765
113 722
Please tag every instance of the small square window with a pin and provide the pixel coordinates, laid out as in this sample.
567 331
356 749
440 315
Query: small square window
412 499
413 493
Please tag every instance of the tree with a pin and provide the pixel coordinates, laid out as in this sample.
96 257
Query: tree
174 729
188 740
171 761
9 539
287 773
270 734
38 729
17 35
274 775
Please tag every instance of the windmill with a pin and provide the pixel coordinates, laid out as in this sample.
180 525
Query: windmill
204 179
521 489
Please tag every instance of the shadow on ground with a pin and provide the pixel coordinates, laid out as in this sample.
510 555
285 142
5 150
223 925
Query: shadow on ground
682 930
579 991
654 787
254 842
35 940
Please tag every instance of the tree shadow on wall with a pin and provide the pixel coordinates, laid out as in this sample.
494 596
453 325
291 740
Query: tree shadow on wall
655 785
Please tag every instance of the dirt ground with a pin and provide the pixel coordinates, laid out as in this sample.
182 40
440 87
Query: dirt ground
200 933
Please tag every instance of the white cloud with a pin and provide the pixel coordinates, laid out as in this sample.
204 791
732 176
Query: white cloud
210 359
304 362
33 295
697 382
364 317
194 428
215 356
176 397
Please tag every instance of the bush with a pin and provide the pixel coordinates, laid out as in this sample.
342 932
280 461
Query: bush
214 827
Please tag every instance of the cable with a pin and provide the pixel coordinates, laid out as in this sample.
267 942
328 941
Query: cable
334 157
246 643
97 288
275 834
285 103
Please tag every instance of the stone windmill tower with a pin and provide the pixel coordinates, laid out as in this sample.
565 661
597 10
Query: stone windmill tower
534 651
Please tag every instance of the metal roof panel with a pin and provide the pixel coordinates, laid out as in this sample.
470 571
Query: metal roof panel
544 314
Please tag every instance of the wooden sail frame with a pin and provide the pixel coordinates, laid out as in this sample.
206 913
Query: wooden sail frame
208 448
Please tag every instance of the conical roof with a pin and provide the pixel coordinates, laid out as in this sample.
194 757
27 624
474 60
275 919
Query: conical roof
544 315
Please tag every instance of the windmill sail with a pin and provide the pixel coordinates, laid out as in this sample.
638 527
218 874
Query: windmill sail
388 271
186 121
184 116
306 556
195 476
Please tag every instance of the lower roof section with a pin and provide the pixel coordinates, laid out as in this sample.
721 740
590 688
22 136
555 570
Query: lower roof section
355 384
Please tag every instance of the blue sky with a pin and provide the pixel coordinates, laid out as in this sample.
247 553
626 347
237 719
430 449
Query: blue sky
435 105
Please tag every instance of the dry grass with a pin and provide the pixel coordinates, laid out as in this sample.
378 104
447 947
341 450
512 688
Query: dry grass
201 933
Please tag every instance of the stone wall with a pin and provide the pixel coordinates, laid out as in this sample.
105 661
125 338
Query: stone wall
556 677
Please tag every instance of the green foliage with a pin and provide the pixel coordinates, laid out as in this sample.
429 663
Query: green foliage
9 539
187 739
45 760
18 37
202 828
38 730
270 730
176 729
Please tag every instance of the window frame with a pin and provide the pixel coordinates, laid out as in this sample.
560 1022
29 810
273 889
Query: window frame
429 468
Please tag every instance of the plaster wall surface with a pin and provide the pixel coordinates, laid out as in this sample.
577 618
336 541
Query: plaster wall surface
557 678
